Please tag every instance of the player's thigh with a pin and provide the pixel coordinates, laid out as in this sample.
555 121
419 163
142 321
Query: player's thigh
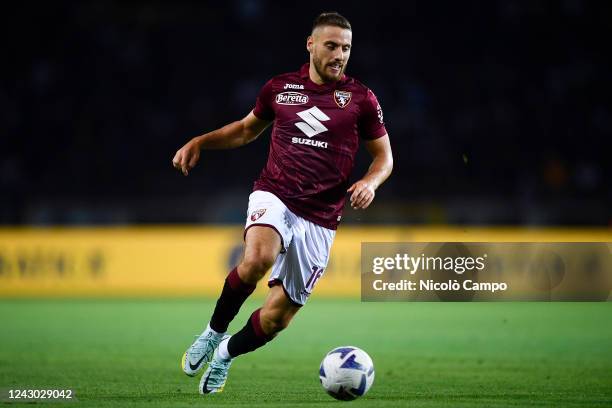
262 240
278 309
262 246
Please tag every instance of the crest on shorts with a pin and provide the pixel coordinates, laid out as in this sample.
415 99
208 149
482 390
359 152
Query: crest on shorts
342 98
255 215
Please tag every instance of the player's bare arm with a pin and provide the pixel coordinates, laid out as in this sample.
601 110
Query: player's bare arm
363 191
230 136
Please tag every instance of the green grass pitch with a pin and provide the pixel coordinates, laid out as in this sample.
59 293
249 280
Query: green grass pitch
126 353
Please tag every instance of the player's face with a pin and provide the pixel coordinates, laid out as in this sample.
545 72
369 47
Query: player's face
330 48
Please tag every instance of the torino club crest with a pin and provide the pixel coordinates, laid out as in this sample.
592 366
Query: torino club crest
342 98
255 215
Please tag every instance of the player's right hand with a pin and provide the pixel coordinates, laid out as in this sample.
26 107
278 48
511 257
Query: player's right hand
186 157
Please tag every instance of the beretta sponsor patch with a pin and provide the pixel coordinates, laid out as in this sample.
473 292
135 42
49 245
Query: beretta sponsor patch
291 98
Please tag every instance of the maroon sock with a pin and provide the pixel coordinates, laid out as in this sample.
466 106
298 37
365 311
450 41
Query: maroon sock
233 295
249 338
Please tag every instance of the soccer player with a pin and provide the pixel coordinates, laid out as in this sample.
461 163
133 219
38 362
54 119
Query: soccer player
319 116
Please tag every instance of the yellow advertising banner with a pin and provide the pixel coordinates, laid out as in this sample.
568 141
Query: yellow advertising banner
193 261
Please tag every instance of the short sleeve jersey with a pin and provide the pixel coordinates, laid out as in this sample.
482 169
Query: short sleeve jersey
315 137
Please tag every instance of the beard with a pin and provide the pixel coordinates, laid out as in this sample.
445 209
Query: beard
320 68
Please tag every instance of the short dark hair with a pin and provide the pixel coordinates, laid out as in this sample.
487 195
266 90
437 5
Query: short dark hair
331 18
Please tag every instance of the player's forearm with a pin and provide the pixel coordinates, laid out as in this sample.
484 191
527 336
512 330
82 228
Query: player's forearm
228 137
379 170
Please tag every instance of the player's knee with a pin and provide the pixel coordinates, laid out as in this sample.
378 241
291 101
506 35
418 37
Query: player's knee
254 266
272 323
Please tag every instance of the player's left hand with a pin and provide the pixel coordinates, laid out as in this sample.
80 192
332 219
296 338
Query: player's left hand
362 195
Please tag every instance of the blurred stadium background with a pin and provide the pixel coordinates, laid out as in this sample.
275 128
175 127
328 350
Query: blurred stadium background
98 95
500 117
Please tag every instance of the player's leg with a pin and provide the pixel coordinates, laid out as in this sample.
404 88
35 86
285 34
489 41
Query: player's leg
263 325
262 246
294 276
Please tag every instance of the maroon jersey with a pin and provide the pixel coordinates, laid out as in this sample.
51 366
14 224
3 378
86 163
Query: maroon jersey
315 137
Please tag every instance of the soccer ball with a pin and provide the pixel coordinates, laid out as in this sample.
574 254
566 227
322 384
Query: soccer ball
346 373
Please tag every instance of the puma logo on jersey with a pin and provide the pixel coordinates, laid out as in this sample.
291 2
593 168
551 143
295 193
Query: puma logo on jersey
293 86
291 98
312 126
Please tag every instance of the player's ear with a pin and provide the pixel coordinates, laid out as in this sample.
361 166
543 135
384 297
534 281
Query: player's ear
309 42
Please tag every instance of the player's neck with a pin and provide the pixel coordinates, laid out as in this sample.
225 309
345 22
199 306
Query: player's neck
314 75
